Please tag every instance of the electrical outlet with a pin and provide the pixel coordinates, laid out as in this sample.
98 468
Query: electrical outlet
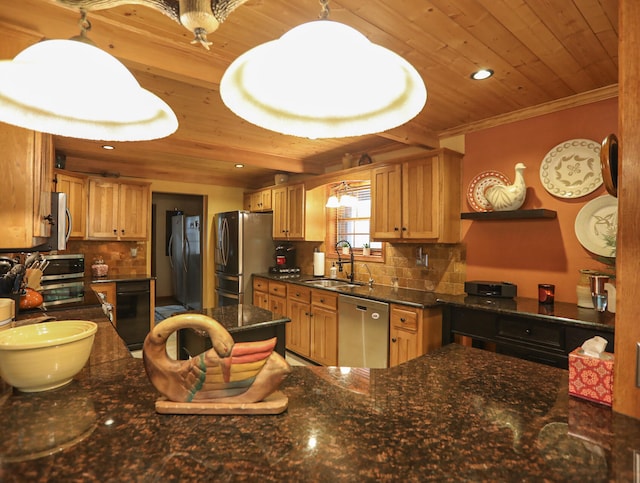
419 259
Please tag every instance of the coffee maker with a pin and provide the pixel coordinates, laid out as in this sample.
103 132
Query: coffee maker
285 258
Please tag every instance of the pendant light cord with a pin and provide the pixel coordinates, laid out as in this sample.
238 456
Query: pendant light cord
324 13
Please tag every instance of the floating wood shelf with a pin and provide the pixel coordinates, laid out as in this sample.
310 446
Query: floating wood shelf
509 215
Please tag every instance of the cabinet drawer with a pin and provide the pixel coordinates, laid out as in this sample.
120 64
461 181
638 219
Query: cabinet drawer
324 298
402 318
260 284
278 289
474 323
523 330
296 292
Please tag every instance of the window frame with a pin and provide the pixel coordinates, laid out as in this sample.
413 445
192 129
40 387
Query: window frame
377 254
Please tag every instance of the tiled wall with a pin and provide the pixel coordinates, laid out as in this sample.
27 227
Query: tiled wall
446 272
115 254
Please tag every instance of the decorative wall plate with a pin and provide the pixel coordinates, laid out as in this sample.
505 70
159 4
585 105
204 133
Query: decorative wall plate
572 168
596 226
479 184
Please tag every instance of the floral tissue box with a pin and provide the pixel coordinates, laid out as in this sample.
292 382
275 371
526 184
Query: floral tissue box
591 377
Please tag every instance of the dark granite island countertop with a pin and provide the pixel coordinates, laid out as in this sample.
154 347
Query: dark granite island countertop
457 414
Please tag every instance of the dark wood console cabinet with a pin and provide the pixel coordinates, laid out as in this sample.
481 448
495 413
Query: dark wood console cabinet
527 337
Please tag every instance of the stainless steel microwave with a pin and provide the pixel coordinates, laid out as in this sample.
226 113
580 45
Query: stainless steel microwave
63 267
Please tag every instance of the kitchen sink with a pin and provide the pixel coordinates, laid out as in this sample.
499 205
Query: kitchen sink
331 283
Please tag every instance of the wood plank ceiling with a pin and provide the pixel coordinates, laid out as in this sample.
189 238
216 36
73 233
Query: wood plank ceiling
542 51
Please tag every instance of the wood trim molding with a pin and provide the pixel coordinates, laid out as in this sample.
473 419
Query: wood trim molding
590 97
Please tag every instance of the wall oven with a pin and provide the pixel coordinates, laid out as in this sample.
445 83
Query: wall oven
62 280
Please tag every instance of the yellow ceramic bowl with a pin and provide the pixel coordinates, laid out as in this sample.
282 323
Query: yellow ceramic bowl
44 356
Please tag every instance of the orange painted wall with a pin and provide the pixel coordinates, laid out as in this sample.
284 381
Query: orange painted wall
528 252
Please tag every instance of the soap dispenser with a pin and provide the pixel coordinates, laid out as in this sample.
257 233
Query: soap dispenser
333 271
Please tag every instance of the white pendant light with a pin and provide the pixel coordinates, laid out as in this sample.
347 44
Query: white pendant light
74 89
323 79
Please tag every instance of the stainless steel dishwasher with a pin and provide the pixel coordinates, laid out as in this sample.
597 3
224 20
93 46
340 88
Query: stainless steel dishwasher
363 332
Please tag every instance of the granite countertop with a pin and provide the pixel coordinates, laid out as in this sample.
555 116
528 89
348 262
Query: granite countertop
561 312
122 277
238 318
457 414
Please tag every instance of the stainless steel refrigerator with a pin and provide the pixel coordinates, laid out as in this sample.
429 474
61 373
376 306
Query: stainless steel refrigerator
244 246
186 260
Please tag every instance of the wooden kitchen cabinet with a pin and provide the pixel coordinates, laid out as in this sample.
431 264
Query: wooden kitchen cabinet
413 332
298 331
278 297
118 210
261 293
27 162
298 214
417 198
75 187
258 200
324 327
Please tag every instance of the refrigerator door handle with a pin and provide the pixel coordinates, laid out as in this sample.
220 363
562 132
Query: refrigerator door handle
186 252
171 251
224 242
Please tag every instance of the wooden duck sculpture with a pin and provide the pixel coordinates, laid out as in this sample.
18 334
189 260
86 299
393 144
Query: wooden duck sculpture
229 372
508 198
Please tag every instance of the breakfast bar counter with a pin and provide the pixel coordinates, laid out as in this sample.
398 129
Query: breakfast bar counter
457 414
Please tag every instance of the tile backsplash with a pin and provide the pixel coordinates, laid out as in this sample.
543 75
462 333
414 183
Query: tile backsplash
446 271
116 254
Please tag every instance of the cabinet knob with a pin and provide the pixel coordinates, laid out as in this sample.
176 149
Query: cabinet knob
321 301
115 232
393 339
395 228
403 320
297 294
528 331
404 228
123 232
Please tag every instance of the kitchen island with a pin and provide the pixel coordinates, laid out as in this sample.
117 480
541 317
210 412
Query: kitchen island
456 414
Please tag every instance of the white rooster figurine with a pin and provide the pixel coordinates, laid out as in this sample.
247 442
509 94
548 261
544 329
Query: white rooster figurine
508 198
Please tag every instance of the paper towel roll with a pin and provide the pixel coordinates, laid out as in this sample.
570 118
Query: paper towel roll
318 264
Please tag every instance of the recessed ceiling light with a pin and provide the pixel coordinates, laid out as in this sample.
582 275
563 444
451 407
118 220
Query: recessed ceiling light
239 165
108 146
482 74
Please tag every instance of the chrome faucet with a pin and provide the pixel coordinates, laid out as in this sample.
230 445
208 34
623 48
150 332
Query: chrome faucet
350 276
370 277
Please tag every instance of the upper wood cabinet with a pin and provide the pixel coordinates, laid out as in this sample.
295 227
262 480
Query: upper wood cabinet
298 214
27 168
118 210
75 187
258 200
417 198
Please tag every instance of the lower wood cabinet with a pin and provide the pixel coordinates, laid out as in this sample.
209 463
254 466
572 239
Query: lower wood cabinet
298 331
324 327
413 331
313 330
261 293
278 297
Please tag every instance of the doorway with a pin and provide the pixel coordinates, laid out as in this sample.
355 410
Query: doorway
163 206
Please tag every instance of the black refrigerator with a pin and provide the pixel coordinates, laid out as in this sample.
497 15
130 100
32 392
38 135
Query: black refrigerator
185 259
244 246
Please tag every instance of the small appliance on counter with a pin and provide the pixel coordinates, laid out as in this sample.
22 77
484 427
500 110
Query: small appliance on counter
482 288
285 257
